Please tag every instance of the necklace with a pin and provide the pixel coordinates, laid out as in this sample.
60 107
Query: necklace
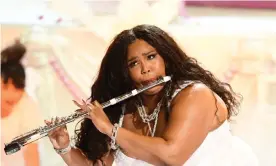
148 118
154 116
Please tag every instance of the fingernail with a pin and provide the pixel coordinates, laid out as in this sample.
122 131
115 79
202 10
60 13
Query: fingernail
76 103
83 101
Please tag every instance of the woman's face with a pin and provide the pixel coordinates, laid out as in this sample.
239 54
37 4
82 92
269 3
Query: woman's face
10 96
145 65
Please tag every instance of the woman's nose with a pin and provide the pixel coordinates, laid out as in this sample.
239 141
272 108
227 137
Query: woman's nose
145 71
145 68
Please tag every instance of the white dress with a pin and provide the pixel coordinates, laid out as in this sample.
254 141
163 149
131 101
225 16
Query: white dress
220 148
25 117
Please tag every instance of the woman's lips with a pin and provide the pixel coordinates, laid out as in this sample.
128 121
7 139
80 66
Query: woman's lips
147 82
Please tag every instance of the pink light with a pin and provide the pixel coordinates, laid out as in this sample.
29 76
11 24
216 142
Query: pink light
41 17
59 20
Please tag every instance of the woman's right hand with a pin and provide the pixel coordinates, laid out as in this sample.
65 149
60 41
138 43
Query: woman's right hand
59 137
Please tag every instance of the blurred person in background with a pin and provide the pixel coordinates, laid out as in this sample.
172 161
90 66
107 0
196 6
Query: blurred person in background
19 113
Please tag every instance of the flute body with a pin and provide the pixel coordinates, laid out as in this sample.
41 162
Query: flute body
18 142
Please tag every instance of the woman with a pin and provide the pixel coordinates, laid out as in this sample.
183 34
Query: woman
17 107
177 123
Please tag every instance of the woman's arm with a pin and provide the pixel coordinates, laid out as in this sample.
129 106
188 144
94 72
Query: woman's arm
192 114
31 155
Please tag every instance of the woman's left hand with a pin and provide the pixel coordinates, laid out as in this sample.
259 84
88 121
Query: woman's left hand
97 116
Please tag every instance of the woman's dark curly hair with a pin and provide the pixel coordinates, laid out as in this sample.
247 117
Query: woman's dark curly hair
113 80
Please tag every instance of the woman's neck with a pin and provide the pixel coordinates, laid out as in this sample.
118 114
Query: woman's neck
151 101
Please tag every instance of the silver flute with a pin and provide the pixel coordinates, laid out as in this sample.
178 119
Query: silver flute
18 142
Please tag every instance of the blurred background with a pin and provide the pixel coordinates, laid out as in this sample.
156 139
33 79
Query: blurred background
66 41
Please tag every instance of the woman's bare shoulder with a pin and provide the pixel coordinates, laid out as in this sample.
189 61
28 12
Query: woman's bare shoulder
199 93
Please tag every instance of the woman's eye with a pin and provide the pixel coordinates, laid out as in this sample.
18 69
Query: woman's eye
151 56
132 64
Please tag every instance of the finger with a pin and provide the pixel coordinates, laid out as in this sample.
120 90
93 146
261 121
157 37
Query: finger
52 120
87 101
63 126
57 120
77 104
62 118
47 122
91 110
90 107
56 131
91 116
96 103
51 133
82 106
